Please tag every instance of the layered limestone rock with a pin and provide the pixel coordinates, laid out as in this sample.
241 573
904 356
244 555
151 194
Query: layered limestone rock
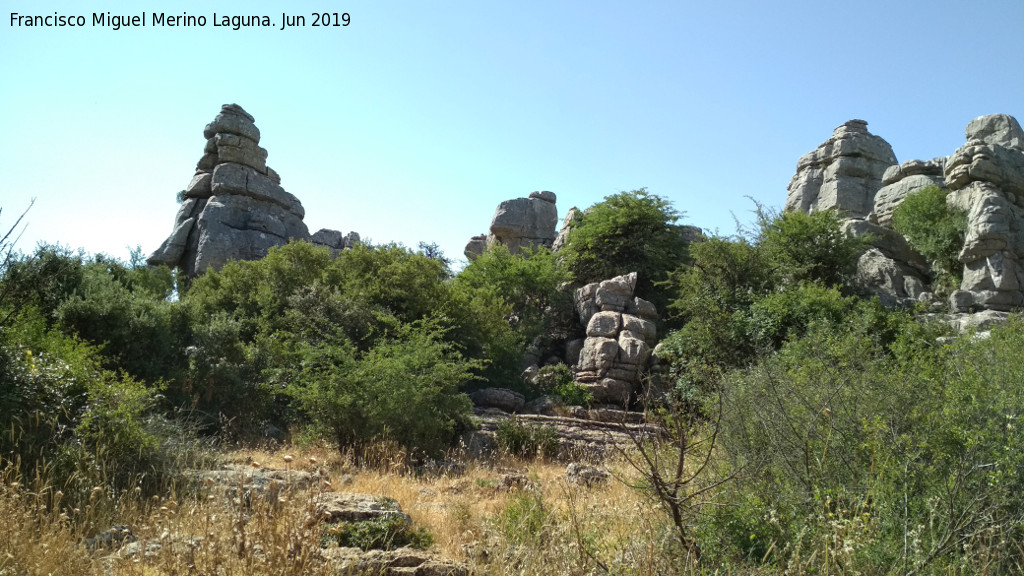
620 331
843 173
519 224
235 208
986 176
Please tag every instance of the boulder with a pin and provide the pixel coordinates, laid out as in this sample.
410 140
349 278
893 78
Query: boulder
998 129
572 218
605 325
500 398
524 222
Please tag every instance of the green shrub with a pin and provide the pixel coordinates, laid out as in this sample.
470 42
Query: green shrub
527 440
808 247
934 230
525 517
627 232
385 533
404 389
556 380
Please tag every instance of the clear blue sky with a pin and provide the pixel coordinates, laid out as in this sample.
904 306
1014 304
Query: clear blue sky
416 120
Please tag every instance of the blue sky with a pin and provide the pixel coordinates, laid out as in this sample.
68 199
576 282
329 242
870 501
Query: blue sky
415 121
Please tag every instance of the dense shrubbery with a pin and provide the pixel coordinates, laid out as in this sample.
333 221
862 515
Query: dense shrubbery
934 230
627 232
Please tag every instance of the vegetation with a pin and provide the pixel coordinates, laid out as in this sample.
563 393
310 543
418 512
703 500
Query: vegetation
936 231
627 232
804 428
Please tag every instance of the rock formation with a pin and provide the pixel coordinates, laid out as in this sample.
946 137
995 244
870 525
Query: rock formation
986 177
843 173
620 333
856 173
235 208
518 224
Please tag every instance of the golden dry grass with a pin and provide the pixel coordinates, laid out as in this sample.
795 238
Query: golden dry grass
548 527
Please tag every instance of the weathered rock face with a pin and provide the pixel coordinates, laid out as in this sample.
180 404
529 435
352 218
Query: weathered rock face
235 207
986 176
518 224
620 332
898 182
843 173
984 179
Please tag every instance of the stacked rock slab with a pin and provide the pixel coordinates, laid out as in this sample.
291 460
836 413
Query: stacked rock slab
620 332
234 207
843 173
986 177
518 224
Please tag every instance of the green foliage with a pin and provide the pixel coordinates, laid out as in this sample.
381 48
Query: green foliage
384 533
934 230
627 232
527 440
884 441
528 283
556 380
525 517
808 247
405 389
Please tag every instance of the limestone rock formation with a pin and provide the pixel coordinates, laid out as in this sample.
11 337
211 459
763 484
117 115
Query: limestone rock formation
235 208
985 179
620 332
519 223
843 173
986 176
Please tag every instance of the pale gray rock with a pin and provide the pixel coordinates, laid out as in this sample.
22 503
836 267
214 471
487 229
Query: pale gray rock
605 325
893 282
892 195
610 390
572 218
524 222
235 207
633 350
598 354
199 187
645 329
578 473
572 351
890 242
544 195
843 173
475 247
1000 129
500 398
335 507
233 120
643 309
614 294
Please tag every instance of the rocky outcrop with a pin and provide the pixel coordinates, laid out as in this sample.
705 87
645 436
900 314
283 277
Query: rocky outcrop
986 176
898 182
843 173
984 179
235 208
620 332
519 224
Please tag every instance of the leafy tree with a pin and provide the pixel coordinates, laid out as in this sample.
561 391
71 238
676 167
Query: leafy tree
532 284
627 232
808 247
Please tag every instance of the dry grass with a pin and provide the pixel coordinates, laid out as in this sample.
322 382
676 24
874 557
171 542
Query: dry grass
548 526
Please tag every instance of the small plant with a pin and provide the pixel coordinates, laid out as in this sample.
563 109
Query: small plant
557 381
385 533
525 517
527 440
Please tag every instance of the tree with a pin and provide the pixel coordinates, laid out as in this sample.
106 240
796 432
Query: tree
627 232
934 230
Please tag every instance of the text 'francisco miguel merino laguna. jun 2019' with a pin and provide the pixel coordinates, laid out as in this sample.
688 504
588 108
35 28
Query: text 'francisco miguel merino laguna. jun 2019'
165 20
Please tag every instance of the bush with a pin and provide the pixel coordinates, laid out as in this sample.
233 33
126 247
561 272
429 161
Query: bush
556 380
527 440
934 230
405 389
525 517
627 232
808 247
386 533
